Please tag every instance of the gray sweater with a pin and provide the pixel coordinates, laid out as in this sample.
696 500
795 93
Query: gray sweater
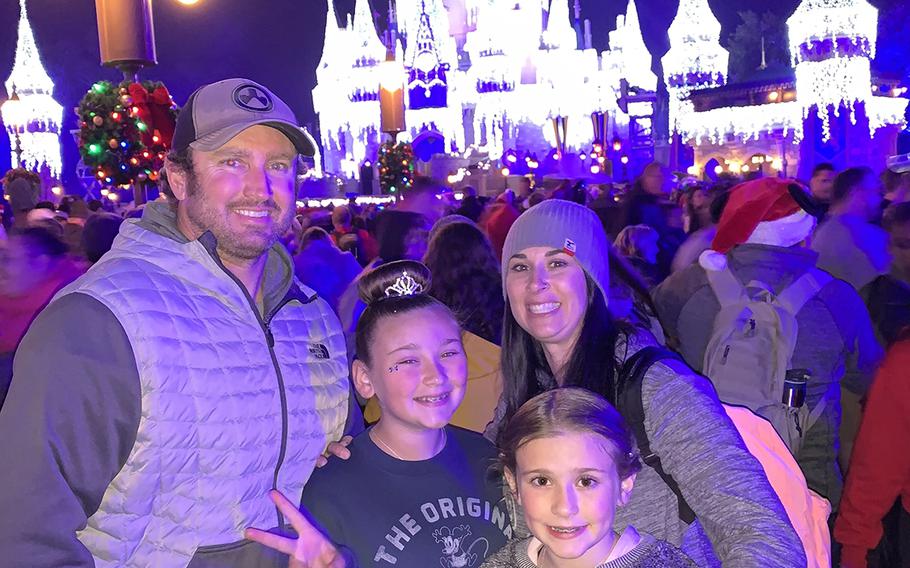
835 341
648 553
741 522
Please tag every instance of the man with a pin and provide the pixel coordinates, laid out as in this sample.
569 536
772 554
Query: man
423 197
821 184
760 240
647 204
349 239
77 213
22 187
848 244
888 296
159 398
322 266
896 186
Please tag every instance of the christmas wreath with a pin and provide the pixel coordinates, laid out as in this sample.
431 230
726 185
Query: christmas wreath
396 167
126 130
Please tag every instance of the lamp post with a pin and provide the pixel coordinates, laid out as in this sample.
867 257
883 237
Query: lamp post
126 35
391 96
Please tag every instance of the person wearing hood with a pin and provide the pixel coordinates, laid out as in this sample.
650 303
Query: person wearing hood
761 241
192 372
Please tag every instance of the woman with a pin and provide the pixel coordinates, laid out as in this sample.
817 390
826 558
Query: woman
466 278
415 491
638 244
558 332
570 463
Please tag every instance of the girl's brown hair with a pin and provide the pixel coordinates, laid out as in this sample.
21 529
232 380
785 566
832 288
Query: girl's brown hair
376 290
570 409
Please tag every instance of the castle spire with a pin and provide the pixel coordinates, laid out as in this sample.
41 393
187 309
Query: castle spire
32 122
28 74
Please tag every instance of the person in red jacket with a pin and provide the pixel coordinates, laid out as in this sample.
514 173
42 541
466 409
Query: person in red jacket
34 265
880 465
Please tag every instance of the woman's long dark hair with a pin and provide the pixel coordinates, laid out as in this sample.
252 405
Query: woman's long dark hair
466 279
592 364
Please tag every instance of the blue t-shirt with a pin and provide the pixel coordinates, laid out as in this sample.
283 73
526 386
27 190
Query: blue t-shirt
446 511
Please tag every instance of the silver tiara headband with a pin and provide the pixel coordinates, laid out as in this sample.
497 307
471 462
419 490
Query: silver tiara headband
404 285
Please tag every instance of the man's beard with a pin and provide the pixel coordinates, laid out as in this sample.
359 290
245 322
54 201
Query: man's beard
232 244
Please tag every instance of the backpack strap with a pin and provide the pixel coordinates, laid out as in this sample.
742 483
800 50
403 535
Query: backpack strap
725 286
803 289
629 398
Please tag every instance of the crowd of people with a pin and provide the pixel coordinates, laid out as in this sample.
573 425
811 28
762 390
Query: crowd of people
678 373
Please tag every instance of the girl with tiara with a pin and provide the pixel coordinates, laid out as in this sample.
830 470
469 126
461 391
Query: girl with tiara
570 462
415 491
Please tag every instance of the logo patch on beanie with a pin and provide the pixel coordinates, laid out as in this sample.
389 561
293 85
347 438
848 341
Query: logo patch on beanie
569 247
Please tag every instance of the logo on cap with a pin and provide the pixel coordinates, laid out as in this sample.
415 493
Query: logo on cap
569 247
252 98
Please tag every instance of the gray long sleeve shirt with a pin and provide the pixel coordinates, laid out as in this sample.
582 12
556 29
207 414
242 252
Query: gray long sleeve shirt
68 429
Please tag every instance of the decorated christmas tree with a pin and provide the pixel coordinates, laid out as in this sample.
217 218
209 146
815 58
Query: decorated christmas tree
396 167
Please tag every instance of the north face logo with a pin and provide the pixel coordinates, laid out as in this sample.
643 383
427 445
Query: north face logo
319 351
252 98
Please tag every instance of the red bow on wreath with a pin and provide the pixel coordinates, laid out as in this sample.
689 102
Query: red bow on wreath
154 111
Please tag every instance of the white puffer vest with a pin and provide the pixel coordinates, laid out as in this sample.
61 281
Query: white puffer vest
217 430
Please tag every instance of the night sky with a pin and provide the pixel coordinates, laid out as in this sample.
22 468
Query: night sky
278 43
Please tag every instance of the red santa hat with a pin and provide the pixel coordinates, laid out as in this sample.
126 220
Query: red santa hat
768 211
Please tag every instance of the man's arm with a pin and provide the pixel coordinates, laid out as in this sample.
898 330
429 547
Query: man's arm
66 429
864 353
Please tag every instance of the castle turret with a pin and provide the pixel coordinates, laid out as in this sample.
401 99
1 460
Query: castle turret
32 121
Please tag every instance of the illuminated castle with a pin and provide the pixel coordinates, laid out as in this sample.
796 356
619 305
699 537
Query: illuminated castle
487 75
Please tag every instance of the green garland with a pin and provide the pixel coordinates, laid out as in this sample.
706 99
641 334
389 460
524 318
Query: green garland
396 167
111 135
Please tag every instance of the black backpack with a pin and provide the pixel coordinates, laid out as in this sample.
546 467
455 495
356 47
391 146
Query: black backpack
628 400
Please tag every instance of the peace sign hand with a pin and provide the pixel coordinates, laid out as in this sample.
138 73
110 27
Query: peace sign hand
311 549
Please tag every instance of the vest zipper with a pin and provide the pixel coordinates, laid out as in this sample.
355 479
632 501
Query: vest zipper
265 324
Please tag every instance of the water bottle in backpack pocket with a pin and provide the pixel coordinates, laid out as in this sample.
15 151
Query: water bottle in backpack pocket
749 354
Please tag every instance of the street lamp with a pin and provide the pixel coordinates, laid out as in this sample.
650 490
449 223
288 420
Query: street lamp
391 96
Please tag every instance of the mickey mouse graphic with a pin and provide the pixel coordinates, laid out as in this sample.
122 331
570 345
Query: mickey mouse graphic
453 547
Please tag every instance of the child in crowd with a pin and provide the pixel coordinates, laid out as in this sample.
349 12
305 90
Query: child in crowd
415 490
569 461
638 244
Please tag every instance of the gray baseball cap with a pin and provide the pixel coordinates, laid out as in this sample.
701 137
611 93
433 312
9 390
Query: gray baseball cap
217 112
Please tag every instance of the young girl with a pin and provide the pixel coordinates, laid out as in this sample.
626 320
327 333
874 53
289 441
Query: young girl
569 462
415 491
